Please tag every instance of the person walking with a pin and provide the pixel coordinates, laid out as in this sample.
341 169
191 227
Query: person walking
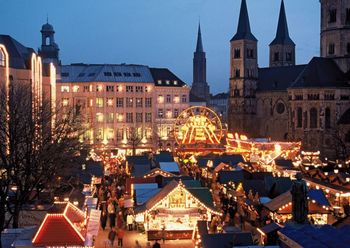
111 213
130 221
156 244
111 236
120 235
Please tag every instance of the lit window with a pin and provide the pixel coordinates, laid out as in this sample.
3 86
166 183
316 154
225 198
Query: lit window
99 117
139 103
148 89
120 117
119 88
99 88
109 102
110 133
160 113
160 99
159 81
65 88
99 134
175 82
129 102
168 113
167 82
65 102
2 58
99 102
176 99
75 88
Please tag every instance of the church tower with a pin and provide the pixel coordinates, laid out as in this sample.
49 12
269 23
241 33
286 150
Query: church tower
200 87
49 50
243 77
282 48
335 32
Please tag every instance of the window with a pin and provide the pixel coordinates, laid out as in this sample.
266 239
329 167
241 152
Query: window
136 74
160 113
86 88
139 103
129 118
176 99
167 82
237 53
92 74
2 58
147 89
99 102
119 117
81 74
299 117
176 113
148 102
328 118
276 56
65 88
107 74
288 56
110 118
280 108
168 113
313 118
168 98
237 73
148 117
129 88
99 117
175 82
184 98
120 102
110 88
109 102
117 74
329 97
65 102
127 74
331 49
99 135
236 92
305 119
347 17
110 134
332 16
120 134
139 117
160 99
139 89
99 88
159 81
250 53
129 102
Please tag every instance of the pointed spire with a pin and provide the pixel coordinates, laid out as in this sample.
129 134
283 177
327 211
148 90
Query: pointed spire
199 47
282 34
243 29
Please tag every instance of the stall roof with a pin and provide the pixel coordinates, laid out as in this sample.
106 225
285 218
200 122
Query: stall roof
236 176
140 170
164 157
273 226
278 201
145 186
257 186
319 196
285 164
227 240
172 167
143 195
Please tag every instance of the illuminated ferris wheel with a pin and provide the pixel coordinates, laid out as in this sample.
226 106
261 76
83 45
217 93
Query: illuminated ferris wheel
198 124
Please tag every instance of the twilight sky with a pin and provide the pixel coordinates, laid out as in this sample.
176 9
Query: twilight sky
159 33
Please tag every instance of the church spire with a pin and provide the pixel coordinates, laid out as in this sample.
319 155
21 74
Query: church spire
243 29
199 47
282 34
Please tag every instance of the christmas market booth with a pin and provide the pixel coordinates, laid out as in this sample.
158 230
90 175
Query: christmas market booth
173 212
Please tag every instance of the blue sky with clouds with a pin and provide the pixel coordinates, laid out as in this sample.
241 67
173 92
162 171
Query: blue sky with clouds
159 33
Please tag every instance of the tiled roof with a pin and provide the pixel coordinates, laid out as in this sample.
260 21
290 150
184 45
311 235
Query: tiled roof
20 56
164 77
278 78
106 73
321 72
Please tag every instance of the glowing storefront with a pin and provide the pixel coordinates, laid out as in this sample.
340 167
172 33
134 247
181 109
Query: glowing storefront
174 211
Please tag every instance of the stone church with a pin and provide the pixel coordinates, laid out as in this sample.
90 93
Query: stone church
286 101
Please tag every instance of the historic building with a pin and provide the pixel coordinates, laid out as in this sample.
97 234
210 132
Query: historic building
200 88
286 101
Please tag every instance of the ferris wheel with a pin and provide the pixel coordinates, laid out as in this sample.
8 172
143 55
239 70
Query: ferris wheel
198 124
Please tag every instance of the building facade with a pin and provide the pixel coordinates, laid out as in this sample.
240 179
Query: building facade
126 107
293 102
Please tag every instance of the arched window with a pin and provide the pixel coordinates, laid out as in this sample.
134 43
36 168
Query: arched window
299 117
313 118
2 58
328 118
47 41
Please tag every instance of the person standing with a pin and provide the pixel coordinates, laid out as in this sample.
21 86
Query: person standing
130 221
120 235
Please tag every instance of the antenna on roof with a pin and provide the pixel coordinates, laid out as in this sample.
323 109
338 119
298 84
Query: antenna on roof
47 18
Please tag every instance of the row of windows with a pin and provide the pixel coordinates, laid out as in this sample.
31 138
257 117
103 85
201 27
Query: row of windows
106 73
237 53
176 99
250 73
332 16
169 114
312 116
130 102
276 56
167 82
118 134
315 97
119 117
331 48
108 88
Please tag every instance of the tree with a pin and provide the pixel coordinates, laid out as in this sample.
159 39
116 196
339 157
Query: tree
135 136
33 149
